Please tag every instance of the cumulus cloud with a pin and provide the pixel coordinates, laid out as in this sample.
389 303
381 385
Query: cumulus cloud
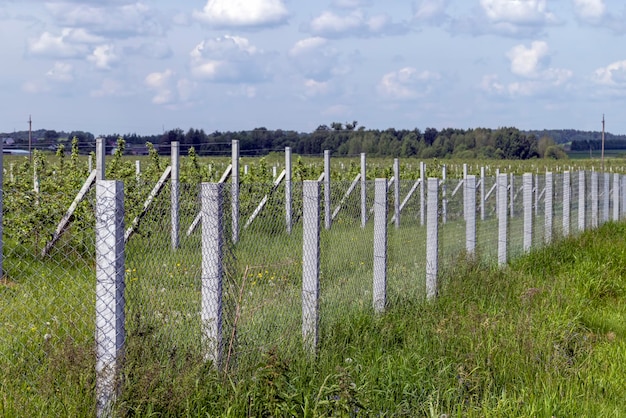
62 72
350 4
356 23
527 62
122 20
230 59
161 83
613 75
242 13
531 65
514 18
71 43
407 83
591 11
103 56
521 12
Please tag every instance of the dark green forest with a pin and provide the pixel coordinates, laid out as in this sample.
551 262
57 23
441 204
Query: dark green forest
342 139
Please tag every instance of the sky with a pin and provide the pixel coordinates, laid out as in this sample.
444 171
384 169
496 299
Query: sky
148 66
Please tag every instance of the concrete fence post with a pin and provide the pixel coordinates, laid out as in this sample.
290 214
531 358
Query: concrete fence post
444 197
234 190
211 201
606 197
527 182
100 158
548 199
616 192
422 192
363 190
623 206
175 194
1 209
310 264
110 321
288 190
582 199
469 205
328 219
380 245
502 218
396 192
432 238
567 194
594 199
482 193
512 195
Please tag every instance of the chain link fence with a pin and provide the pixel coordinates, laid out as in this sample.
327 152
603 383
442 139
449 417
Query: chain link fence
192 296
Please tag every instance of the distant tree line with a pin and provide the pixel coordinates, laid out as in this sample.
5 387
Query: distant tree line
596 144
342 139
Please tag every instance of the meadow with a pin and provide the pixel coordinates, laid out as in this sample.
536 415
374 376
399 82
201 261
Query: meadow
542 336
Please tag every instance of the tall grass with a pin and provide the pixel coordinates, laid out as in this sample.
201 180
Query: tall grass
542 337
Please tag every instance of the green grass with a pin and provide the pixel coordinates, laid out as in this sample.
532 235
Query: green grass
543 336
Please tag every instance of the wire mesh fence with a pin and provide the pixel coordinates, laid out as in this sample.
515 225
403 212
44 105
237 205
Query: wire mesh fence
49 303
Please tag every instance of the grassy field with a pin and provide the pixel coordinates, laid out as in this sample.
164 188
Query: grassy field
542 337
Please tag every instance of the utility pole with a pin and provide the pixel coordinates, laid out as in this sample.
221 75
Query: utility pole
602 157
30 138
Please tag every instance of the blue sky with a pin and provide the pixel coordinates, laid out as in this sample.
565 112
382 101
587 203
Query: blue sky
124 66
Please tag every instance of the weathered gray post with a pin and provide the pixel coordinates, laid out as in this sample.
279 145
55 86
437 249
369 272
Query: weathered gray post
100 158
566 202
623 187
482 193
234 189
594 199
310 263
422 192
137 169
469 204
432 238
396 192
502 218
175 194
548 199
581 201
512 193
606 197
288 199
527 182
536 191
380 245
363 191
110 271
444 201
328 219
211 202
616 192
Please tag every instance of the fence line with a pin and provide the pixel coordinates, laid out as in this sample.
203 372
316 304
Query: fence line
443 218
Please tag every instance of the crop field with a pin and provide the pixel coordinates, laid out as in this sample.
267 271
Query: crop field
47 302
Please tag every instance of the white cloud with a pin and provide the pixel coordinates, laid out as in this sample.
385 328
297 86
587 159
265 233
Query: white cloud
306 45
314 88
103 56
522 12
161 84
111 88
591 11
242 13
228 59
61 72
71 43
356 23
114 21
527 62
613 75
407 83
